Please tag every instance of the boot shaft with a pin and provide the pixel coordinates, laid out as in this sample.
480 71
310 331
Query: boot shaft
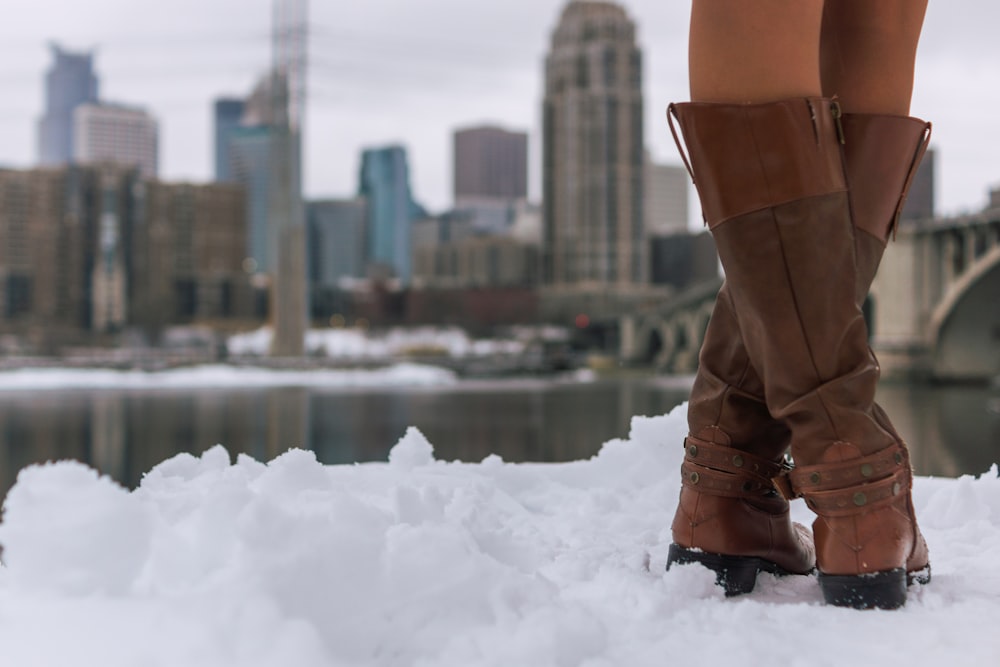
772 182
881 154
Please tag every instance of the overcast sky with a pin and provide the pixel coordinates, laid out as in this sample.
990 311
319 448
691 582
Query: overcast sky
410 71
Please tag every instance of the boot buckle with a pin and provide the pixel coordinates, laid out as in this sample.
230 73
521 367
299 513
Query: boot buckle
783 484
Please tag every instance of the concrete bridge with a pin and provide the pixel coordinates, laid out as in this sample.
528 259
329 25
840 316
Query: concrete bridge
668 335
935 305
933 312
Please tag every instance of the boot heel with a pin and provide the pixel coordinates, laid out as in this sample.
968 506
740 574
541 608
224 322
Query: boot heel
881 590
737 575
921 577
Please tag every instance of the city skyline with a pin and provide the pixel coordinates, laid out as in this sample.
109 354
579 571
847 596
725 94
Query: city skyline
387 71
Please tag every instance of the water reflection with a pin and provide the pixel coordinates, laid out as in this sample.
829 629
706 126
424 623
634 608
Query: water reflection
951 431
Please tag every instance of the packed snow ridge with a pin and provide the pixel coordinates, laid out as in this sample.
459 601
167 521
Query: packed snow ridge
358 344
220 376
417 561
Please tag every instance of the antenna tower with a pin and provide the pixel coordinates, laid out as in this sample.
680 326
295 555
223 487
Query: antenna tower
289 299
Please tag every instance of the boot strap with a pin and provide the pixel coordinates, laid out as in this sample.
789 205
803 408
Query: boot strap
861 498
717 483
829 476
729 459
850 487
720 470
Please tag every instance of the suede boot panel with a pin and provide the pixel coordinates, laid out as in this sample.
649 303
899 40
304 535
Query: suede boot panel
726 403
800 321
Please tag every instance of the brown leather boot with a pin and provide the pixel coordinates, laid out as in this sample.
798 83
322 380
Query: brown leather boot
881 155
773 190
730 517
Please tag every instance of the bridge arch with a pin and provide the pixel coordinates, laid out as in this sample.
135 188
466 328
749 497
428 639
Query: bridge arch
965 325
669 337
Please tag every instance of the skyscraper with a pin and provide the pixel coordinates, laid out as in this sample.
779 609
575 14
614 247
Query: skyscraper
490 163
115 133
336 240
228 116
68 83
100 248
385 183
250 160
666 193
592 153
244 139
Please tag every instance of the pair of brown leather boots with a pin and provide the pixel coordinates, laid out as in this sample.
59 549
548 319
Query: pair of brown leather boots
801 200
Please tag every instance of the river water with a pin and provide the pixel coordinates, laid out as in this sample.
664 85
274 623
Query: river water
951 431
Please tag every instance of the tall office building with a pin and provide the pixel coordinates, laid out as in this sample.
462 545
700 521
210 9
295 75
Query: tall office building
666 193
227 117
244 139
69 82
115 133
385 183
490 163
96 249
250 166
592 164
336 240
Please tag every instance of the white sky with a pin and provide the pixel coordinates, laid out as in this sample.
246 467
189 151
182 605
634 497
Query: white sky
412 71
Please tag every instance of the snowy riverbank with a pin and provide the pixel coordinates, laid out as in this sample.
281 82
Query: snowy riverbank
423 562
221 376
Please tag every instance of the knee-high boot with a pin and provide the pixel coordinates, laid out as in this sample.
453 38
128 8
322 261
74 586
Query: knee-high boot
768 177
730 517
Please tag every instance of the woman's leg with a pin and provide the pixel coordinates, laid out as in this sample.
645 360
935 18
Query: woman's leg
754 51
867 53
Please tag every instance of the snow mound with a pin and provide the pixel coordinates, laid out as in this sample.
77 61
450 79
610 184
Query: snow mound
363 345
418 561
220 376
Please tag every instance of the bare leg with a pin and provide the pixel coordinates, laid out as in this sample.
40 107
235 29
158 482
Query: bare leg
867 50
760 51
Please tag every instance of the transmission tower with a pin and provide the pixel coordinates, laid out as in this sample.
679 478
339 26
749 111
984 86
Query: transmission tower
289 299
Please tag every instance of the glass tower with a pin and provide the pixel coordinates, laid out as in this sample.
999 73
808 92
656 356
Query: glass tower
385 183
228 118
69 83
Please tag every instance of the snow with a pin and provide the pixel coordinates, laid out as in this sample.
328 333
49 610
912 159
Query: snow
219 376
417 561
359 344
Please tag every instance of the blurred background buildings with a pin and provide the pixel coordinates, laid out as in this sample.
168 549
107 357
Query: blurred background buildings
92 243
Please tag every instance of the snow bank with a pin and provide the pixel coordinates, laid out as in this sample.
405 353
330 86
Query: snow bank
363 345
421 562
221 377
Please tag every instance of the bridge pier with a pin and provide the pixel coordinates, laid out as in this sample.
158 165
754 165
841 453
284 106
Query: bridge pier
668 336
937 300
